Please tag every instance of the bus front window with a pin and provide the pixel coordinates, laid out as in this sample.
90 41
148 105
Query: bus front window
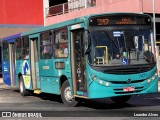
120 47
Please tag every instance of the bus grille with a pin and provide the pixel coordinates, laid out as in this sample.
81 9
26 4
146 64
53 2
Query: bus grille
125 82
125 69
134 70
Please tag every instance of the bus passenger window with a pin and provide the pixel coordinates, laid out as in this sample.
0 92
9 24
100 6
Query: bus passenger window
46 52
26 54
61 43
25 47
46 49
5 51
18 48
65 52
61 50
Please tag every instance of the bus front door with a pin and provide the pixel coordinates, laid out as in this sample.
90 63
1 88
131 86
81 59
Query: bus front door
78 62
34 63
12 63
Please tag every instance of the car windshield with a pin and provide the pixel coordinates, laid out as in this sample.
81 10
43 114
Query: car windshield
120 47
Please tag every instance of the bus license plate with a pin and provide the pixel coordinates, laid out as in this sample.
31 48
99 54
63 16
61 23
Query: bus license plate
128 89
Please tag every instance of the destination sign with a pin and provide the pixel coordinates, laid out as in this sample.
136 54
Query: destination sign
119 20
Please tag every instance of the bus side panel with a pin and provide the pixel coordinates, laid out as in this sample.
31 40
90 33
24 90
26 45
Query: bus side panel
100 91
6 74
46 67
6 79
50 85
23 68
18 71
18 67
50 75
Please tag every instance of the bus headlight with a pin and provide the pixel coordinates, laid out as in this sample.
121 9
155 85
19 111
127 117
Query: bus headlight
100 81
156 74
93 77
148 80
107 83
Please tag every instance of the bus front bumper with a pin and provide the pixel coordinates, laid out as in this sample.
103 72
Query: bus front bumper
97 90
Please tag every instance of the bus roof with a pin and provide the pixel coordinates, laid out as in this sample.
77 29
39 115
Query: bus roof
12 37
54 26
69 22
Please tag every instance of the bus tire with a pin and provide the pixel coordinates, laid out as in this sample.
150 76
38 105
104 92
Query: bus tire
120 99
66 95
22 89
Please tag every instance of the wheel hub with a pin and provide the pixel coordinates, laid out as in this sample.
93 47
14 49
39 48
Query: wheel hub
68 95
21 87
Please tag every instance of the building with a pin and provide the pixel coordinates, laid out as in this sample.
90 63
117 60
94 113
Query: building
69 10
78 8
21 15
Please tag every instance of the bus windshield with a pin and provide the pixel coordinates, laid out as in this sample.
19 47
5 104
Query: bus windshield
120 47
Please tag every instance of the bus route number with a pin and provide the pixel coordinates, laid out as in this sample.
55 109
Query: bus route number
102 21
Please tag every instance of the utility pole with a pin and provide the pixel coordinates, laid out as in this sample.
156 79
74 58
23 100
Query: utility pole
154 21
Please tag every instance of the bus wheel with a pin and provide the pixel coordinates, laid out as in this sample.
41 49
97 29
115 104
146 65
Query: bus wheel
120 99
22 88
67 98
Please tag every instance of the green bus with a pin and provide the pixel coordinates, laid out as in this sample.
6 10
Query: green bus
95 56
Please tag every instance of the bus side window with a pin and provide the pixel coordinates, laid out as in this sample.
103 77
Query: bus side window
66 51
25 47
46 45
61 50
26 53
46 52
18 49
58 51
61 43
5 51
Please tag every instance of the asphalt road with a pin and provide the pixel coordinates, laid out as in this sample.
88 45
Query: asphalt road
47 105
